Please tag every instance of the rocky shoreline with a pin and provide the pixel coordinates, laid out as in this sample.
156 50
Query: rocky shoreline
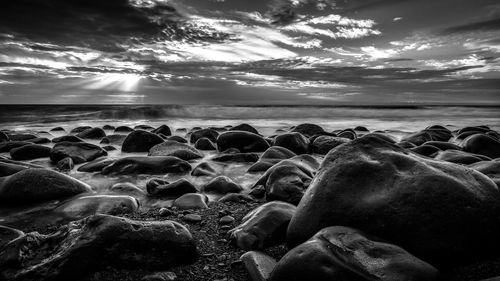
326 205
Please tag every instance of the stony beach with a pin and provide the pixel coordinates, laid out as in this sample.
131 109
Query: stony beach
142 202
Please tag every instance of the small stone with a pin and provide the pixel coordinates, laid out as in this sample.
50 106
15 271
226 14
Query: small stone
160 276
192 218
258 265
164 212
226 220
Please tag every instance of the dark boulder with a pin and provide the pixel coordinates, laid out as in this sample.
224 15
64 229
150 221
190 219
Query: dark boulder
22 137
123 129
94 243
203 133
173 148
38 185
41 140
323 144
140 141
80 129
205 144
164 130
174 189
271 156
8 145
108 127
80 152
361 129
347 134
263 227
147 165
295 142
426 150
29 152
439 211
57 129
113 139
309 130
431 134
236 157
345 254
177 139
243 141
221 185
460 157
68 138
482 144
443 145
203 169
244 127
126 188
93 133
489 168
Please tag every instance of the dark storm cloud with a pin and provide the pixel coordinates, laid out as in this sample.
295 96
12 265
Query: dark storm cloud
492 24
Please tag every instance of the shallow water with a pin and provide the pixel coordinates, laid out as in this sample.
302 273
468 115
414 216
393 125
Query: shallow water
397 122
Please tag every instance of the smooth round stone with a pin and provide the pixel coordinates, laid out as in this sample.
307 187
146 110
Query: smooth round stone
93 133
68 138
295 142
140 141
173 148
126 188
483 145
203 169
163 129
244 127
177 139
226 220
236 197
205 144
308 129
203 133
191 201
146 165
221 185
192 218
80 152
123 129
174 189
98 204
241 140
30 152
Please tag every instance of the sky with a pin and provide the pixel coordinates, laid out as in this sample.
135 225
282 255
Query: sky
268 52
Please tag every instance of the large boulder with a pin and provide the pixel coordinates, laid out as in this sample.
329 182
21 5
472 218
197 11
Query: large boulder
147 165
345 254
96 242
29 152
38 185
140 141
439 211
308 129
80 152
97 204
177 149
241 140
323 144
295 142
92 133
482 144
263 227
203 133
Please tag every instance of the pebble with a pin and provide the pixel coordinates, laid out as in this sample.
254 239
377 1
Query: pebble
164 212
226 220
194 218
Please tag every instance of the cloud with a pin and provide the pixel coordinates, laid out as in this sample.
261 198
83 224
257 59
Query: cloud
487 25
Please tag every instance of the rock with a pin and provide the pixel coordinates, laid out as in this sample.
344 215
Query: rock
236 197
153 183
68 138
258 192
429 134
271 156
191 201
489 168
221 185
123 129
57 129
9 145
80 152
163 129
38 185
237 157
385 190
342 253
80 129
126 188
323 144
65 164
108 127
4 137
460 157
7 169
425 150
147 165
96 166
482 144
40 140
263 227
193 218
109 148
347 134
203 169
243 141
309 130
97 204
93 133
173 148
96 242
175 189
177 139
443 145
160 276
203 133
21 137
140 141
143 127
244 127
204 144
113 139
8 234
361 129
475 129
29 152
226 220
295 142
258 265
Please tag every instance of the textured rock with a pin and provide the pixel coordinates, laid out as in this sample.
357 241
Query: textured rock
96 242
345 254
439 211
